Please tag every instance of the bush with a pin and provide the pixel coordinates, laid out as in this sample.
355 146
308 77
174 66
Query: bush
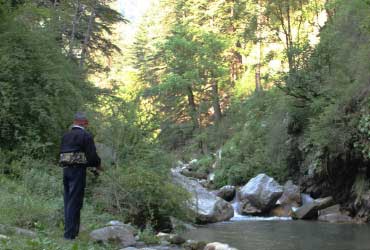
141 195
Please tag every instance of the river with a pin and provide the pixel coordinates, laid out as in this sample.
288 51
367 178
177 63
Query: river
285 235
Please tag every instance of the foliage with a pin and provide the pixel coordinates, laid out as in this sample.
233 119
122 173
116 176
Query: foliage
40 88
141 195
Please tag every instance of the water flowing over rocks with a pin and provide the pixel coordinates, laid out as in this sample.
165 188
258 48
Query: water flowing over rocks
120 234
208 207
262 192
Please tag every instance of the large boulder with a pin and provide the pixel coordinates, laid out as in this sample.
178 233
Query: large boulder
227 193
218 246
290 198
207 207
246 208
291 195
310 210
118 234
262 192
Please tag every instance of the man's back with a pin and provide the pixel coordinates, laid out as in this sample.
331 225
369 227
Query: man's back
79 140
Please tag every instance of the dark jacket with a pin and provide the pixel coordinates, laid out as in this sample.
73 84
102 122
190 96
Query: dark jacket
79 140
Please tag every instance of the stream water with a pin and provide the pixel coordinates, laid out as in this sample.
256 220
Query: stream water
268 234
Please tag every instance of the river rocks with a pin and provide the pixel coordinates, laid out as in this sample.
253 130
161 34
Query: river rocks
290 198
305 212
262 192
334 214
129 227
171 238
207 207
310 210
291 195
246 208
218 246
336 218
114 233
227 193
194 245
16 230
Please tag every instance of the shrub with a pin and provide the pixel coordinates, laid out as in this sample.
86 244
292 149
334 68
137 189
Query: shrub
141 195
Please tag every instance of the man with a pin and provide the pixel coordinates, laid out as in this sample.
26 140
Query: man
77 152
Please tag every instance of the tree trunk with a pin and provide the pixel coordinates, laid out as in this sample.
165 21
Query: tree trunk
216 101
192 108
88 36
259 47
76 19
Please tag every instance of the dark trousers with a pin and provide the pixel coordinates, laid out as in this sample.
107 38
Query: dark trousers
74 180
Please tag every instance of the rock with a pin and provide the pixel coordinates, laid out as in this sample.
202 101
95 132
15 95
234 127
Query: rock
114 233
329 210
290 198
176 239
218 246
16 230
129 248
207 207
140 244
127 226
336 218
291 195
310 210
334 214
194 245
171 238
306 198
281 211
204 183
361 208
165 243
262 192
163 236
323 203
305 212
227 193
246 208
4 237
